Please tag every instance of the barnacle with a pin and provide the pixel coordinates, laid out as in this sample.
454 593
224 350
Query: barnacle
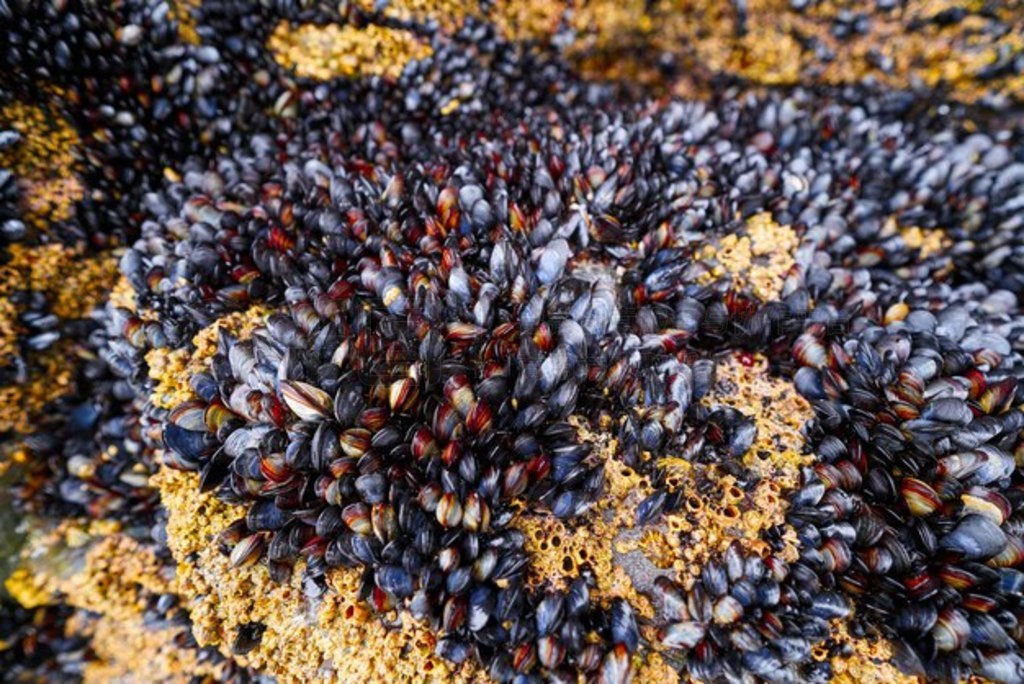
861 660
9 328
559 550
113 583
713 519
449 14
171 370
45 159
71 286
325 52
758 259
333 636
21 403
184 13
928 241
122 296
531 20
73 283
952 45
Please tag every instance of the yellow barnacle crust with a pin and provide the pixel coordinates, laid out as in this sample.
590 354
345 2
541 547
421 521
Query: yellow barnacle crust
779 413
109 578
72 282
560 550
44 160
625 558
448 14
715 509
168 369
130 650
774 44
523 20
9 327
183 12
758 258
929 242
73 285
51 378
122 296
334 638
171 369
332 51
859 660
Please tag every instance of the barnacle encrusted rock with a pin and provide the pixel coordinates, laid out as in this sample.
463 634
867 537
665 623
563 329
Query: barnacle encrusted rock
126 649
560 550
330 638
523 20
72 284
860 660
111 579
50 379
449 14
46 159
171 369
183 12
716 511
758 259
623 557
332 51
958 46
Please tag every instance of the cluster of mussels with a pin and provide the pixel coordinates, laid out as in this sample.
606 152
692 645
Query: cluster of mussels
915 506
35 645
438 325
460 271
73 450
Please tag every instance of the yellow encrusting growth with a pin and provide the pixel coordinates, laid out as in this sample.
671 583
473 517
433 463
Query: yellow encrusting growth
614 39
332 51
779 413
758 258
773 44
334 638
168 369
182 11
716 509
110 578
50 379
73 285
72 282
128 650
9 327
560 550
930 242
172 369
523 20
117 571
122 296
28 589
624 558
860 660
449 14
45 160
84 558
